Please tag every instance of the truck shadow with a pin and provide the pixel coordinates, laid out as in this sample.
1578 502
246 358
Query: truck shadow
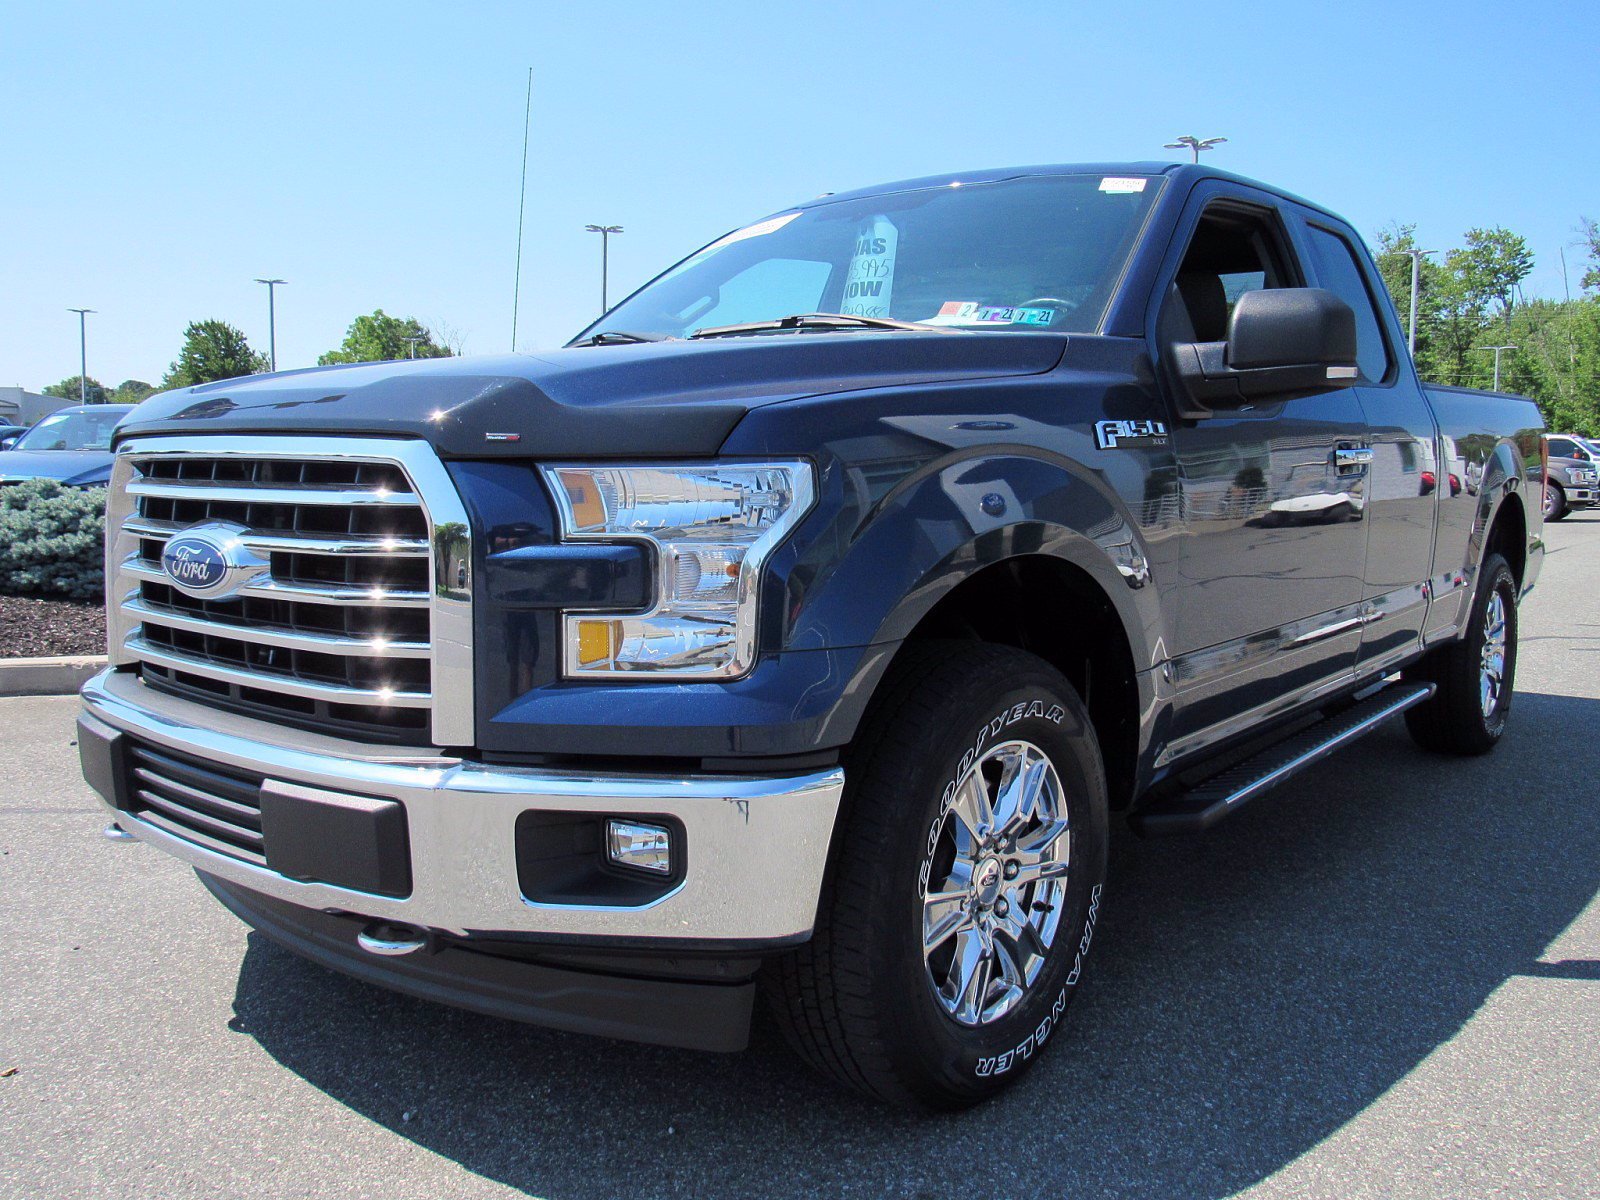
1253 991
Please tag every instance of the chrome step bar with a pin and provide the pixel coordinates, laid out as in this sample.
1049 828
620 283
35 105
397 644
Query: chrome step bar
1204 805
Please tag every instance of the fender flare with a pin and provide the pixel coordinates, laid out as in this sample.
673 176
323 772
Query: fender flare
959 515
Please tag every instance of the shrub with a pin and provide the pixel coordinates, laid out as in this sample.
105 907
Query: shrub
52 540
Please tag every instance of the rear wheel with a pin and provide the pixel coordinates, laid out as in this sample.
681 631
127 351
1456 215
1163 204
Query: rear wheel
1474 677
966 880
1555 502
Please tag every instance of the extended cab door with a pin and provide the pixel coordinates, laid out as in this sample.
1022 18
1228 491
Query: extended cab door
1411 472
1265 608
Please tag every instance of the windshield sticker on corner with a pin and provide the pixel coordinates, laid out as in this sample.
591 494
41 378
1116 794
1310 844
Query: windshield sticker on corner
759 229
966 312
1121 435
869 283
1122 184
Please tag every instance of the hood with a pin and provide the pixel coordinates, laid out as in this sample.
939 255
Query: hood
76 468
657 399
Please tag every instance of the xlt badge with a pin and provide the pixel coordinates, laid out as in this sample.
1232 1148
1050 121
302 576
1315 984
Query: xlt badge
1113 435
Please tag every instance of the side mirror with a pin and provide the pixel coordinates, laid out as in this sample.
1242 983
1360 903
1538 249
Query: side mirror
1280 341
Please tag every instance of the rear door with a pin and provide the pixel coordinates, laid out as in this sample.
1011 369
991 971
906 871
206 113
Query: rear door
1265 610
1410 473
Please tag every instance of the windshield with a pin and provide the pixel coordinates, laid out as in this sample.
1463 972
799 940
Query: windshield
72 431
1035 254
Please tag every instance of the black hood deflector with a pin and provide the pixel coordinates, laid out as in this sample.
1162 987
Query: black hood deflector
657 400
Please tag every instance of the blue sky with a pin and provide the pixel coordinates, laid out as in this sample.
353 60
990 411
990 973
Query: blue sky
155 159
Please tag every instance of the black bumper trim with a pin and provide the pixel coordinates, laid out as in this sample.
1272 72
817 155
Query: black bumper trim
691 1015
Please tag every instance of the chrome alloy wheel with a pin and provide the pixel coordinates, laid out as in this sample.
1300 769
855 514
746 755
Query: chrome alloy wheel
1492 664
996 882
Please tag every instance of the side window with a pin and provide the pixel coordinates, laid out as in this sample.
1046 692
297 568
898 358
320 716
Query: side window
1234 250
1561 448
1338 270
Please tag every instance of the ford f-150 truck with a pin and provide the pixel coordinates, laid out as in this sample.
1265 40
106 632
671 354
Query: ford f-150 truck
799 628
1571 477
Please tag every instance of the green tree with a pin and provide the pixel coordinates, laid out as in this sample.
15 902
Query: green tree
212 350
1492 266
1394 265
1557 361
1590 232
380 337
68 389
131 391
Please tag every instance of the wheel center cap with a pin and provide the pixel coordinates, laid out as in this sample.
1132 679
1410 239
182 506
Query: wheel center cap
986 881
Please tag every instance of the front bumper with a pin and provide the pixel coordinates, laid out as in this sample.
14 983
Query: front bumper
754 848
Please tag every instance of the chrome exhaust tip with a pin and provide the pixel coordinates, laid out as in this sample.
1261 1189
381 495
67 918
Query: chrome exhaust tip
391 940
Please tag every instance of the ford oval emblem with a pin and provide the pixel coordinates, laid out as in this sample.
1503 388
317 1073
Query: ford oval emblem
194 564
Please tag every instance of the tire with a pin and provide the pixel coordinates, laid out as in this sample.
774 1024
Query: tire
1555 502
1468 713
861 1001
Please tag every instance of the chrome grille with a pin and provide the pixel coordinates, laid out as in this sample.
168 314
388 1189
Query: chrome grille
363 606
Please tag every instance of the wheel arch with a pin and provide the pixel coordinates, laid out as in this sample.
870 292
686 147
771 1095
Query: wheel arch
1053 607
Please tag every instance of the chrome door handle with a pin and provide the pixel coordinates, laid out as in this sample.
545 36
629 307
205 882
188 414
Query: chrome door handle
1350 459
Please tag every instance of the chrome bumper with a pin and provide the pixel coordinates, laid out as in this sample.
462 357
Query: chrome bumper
756 846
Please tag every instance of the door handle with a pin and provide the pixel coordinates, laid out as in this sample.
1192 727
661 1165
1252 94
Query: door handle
1352 460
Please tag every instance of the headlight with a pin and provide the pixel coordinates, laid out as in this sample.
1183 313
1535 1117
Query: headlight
713 526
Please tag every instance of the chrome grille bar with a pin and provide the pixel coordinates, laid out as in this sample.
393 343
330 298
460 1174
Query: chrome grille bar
257 493
294 544
271 681
375 647
141 568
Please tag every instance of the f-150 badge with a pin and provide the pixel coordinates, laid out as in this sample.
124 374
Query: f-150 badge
1113 435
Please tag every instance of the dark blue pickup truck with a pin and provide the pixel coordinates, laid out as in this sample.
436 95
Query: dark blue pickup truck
800 627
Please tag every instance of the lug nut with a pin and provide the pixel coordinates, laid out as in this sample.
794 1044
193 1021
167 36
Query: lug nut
1012 870
1001 908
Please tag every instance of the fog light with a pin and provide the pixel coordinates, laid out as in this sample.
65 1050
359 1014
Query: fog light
643 847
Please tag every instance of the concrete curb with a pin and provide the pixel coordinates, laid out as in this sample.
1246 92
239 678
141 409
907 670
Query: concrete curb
48 676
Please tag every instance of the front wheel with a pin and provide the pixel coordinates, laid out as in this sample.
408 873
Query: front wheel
966 881
1555 502
1473 677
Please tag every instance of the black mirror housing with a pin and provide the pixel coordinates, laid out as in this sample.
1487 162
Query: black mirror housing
1281 341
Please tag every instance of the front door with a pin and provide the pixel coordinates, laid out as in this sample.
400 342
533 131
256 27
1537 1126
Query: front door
1267 604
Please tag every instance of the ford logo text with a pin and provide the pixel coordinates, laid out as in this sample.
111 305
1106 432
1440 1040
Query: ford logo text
194 565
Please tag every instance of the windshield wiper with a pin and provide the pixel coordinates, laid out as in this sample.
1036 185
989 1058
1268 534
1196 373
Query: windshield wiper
816 321
622 337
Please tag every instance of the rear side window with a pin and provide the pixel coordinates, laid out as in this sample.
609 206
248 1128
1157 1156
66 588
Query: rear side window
1337 269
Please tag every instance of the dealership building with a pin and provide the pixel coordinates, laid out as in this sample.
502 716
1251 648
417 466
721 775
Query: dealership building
19 407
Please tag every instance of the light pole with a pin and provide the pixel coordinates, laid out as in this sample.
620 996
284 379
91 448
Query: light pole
1496 350
272 319
1195 145
605 232
83 353
1416 276
411 343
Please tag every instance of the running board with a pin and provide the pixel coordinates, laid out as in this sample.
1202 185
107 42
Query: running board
1207 803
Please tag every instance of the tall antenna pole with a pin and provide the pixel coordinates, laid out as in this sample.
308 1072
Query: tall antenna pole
83 353
522 196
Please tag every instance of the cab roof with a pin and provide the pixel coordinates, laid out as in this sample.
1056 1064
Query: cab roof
1186 174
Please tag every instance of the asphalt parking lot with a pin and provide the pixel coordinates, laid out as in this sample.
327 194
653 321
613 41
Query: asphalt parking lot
1384 980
